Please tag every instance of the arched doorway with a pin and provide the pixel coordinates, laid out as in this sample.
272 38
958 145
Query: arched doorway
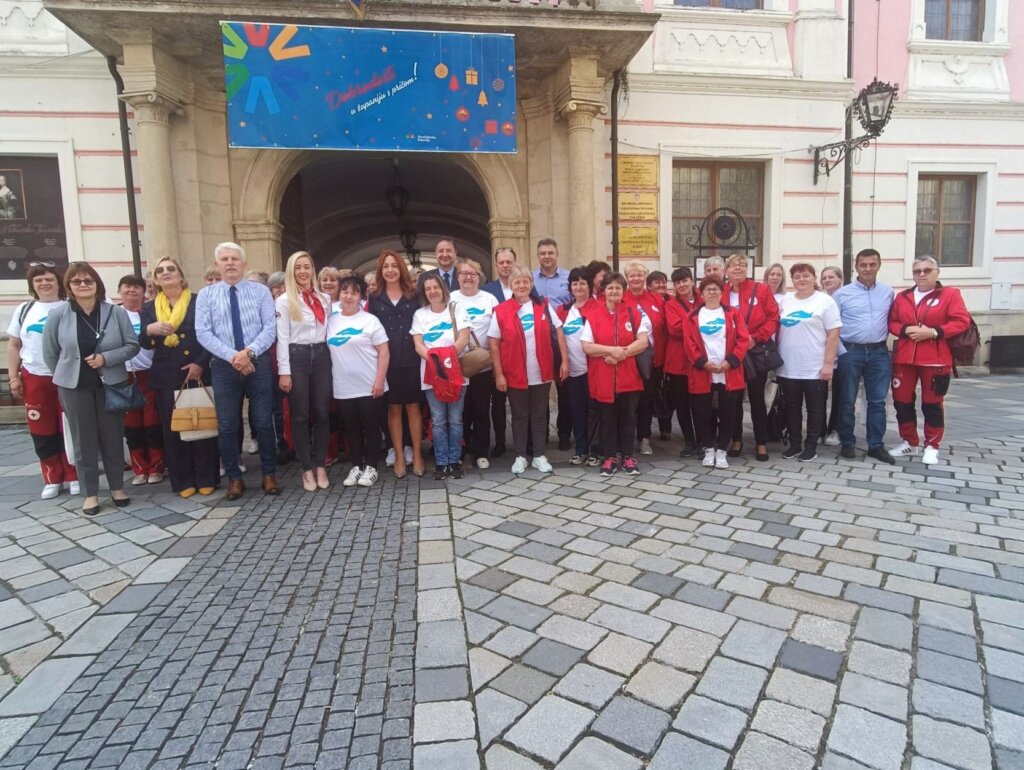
336 209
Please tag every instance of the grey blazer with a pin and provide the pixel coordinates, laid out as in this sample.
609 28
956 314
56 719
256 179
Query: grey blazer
60 345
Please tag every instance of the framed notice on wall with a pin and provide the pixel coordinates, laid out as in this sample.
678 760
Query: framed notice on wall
31 214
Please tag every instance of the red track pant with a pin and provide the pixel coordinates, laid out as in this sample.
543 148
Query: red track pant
144 434
43 415
934 384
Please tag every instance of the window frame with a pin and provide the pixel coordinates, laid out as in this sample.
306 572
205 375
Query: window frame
947 31
940 223
714 5
716 167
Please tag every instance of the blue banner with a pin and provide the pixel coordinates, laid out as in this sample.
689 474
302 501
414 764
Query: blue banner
369 89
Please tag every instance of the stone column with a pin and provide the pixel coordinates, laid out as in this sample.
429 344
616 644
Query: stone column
153 141
579 117
261 240
510 232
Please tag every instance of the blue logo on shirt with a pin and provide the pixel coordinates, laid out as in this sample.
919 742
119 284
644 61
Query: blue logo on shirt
796 318
437 331
527 321
714 326
573 326
137 327
473 312
37 327
344 336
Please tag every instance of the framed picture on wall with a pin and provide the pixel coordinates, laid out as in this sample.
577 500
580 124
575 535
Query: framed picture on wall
12 194
31 214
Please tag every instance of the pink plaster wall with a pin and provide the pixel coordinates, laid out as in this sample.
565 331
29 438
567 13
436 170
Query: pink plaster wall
891 32
1015 58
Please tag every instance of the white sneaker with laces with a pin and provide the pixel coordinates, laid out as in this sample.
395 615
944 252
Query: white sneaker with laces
390 459
930 455
645 447
353 476
408 455
832 439
483 463
709 458
74 487
251 447
903 449
541 463
50 491
520 465
367 477
720 459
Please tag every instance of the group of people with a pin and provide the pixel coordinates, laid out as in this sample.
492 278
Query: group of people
621 350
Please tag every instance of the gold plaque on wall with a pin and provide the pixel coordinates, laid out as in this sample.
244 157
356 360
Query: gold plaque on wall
638 241
638 170
638 206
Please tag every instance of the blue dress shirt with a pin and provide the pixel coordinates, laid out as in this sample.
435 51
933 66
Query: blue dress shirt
213 318
555 287
864 311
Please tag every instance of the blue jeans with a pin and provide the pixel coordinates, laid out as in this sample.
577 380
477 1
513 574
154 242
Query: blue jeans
446 420
578 400
228 389
875 366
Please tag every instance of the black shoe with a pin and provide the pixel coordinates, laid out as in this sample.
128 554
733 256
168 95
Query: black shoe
665 436
792 453
440 473
91 511
809 454
122 503
881 454
849 452
735 451
498 451
688 451
455 471
564 443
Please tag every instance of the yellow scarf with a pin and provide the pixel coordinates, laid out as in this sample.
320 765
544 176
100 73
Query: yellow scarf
173 316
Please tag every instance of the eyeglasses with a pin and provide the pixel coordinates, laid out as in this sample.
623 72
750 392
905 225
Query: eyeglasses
82 282
924 271
469 274
165 269
42 264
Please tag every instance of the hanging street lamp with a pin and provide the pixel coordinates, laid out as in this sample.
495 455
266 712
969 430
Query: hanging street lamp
873 108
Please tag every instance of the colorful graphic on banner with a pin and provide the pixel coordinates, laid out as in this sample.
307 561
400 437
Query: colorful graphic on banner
369 89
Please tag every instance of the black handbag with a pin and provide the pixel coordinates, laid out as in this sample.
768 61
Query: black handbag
123 396
645 358
763 357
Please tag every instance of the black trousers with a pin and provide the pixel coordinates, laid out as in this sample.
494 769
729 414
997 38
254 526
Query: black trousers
618 424
499 415
310 400
758 411
361 420
476 419
189 463
715 426
797 393
830 415
563 422
679 391
646 408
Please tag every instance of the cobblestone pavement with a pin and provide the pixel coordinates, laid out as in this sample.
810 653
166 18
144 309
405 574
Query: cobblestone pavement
840 614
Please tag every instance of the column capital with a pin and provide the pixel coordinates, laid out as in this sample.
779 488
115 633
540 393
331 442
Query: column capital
258 229
580 114
153 107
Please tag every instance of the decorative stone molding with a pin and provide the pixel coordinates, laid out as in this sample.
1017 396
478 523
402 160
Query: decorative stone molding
152 108
579 115
258 230
27 29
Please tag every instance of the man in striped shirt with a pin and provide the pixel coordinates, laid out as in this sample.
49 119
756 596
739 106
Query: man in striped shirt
235 321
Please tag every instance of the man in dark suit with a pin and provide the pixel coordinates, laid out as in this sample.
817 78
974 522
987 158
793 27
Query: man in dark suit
446 256
504 261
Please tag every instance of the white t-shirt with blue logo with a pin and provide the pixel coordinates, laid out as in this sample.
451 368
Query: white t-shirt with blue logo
479 308
573 331
712 331
352 341
803 329
534 376
30 332
144 358
437 331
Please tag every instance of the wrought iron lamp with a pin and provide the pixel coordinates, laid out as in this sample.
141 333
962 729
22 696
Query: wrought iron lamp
397 195
408 238
873 108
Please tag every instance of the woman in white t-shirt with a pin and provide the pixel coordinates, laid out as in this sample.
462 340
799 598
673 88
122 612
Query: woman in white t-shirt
432 327
479 306
359 352
573 315
808 343
32 380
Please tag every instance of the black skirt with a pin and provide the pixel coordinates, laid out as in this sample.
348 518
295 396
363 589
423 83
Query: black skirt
404 385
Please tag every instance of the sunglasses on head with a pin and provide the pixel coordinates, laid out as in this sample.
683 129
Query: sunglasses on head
42 264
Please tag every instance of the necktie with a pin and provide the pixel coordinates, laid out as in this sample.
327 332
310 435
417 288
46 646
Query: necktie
447 280
236 319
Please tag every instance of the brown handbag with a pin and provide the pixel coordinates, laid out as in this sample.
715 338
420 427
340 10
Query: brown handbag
476 358
194 415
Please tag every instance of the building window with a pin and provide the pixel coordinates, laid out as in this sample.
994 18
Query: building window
700 188
737 5
945 219
954 19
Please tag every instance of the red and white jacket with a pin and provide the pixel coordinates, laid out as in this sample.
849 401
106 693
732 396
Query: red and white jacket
654 306
737 343
512 347
604 380
677 317
943 310
764 313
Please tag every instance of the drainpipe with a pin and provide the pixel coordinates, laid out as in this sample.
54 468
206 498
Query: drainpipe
848 160
616 86
126 157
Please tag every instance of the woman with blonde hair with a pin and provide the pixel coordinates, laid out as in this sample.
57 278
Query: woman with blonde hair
304 365
775 280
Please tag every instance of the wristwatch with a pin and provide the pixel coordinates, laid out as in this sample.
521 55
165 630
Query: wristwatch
251 354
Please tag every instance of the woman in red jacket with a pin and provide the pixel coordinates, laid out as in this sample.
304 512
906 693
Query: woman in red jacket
677 364
760 313
613 336
922 318
716 340
653 306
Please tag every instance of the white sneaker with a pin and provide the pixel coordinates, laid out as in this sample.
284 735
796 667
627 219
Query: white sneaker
155 478
390 459
408 455
251 447
50 491
832 439
720 459
74 487
709 458
645 447
139 480
541 463
903 449
520 465
353 476
930 455
368 476
483 463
